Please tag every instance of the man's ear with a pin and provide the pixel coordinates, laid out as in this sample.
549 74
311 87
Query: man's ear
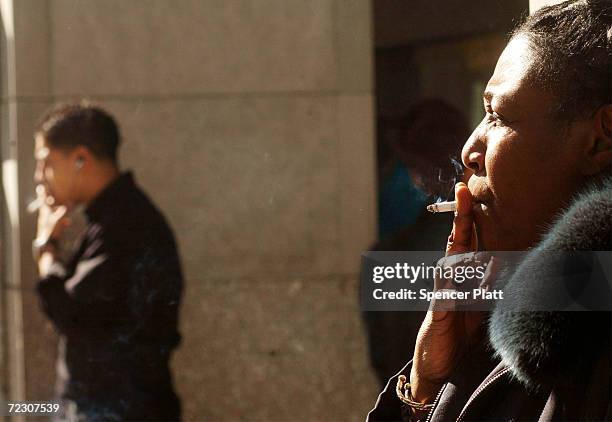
81 156
599 154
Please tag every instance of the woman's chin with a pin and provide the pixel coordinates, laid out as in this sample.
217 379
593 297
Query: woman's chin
486 230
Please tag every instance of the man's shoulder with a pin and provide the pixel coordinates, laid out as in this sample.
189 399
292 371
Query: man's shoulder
135 223
139 209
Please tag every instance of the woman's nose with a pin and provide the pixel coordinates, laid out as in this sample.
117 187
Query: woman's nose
473 153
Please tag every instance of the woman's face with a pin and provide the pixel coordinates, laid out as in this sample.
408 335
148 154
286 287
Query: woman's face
526 166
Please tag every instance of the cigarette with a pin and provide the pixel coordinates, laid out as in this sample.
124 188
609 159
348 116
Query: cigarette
450 206
35 205
41 199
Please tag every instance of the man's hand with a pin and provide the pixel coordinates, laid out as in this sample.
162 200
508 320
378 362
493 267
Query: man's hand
445 335
51 223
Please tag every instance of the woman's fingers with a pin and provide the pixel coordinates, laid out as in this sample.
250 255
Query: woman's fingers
461 238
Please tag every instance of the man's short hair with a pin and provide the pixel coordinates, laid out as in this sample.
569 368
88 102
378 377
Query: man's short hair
573 46
66 126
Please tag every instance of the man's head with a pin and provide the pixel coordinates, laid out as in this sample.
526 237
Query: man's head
429 144
548 125
75 151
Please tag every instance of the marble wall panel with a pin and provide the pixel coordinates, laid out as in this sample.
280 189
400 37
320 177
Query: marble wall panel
354 46
287 351
181 47
33 50
250 124
358 211
249 184
40 346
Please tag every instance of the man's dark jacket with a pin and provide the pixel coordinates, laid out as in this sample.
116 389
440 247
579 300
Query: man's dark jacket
538 366
115 305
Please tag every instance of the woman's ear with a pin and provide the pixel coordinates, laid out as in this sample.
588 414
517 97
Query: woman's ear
599 154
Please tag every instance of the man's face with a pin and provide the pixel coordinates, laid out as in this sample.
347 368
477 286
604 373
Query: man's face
525 165
55 170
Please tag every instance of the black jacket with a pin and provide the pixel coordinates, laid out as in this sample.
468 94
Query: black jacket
538 366
115 305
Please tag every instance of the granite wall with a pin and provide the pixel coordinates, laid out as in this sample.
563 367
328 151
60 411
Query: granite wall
250 123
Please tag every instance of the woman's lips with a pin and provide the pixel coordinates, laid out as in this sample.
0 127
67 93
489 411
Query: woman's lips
482 207
481 195
480 203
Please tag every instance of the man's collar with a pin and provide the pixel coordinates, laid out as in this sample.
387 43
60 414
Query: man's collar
107 199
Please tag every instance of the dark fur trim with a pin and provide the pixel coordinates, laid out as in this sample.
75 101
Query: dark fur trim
543 347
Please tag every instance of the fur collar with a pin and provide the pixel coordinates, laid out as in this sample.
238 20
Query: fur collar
542 348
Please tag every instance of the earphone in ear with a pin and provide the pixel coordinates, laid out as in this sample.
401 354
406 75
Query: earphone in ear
79 163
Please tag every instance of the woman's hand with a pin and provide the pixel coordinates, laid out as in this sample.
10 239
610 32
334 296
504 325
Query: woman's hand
445 335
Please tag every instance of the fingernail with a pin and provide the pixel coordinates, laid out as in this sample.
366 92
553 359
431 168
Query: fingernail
490 273
439 315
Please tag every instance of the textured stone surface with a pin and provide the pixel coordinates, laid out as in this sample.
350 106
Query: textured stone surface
357 208
291 350
354 46
159 47
33 47
250 124
250 185
40 342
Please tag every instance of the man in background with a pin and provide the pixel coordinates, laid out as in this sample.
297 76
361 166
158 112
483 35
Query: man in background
115 301
425 145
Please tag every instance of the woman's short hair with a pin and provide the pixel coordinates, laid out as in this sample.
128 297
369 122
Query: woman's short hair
572 42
